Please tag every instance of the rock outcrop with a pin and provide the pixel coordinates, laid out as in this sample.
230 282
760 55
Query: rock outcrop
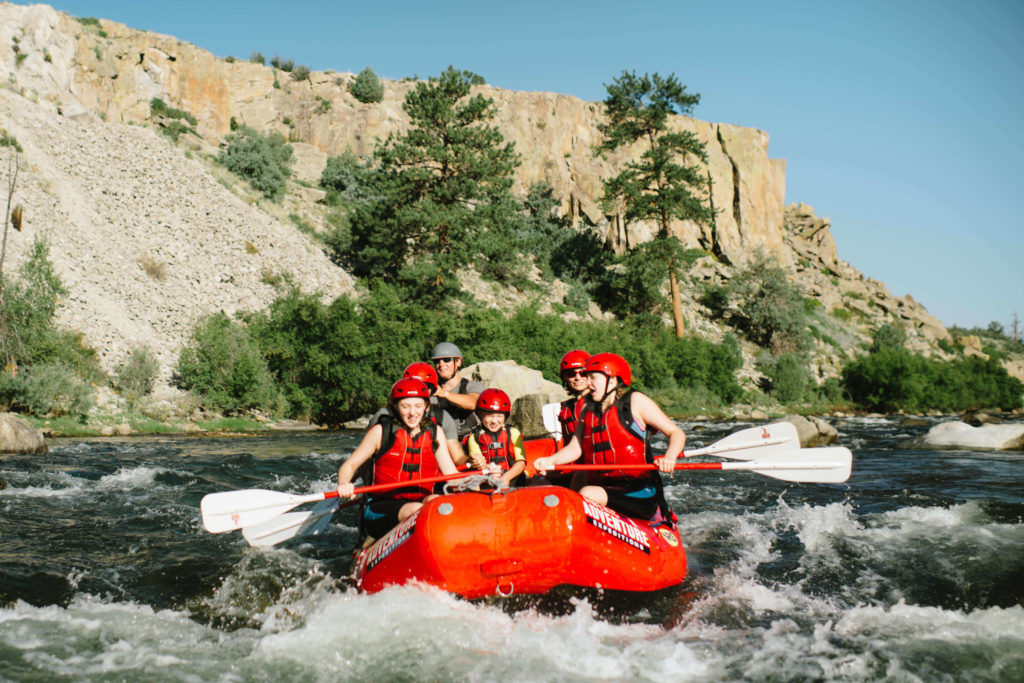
18 437
112 72
147 239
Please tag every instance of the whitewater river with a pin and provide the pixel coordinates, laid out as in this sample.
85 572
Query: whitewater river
912 571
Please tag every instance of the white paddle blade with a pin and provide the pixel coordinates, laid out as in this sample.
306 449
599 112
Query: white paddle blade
549 413
291 524
232 510
811 465
753 442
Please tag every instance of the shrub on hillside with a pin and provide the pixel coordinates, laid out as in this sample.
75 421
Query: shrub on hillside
301 73
222 364
29 307
788 376
770 307
281 63
257 58
264 160
136 376
366 87
47 389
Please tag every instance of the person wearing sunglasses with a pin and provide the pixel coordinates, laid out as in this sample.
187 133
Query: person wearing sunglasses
455 393
574 379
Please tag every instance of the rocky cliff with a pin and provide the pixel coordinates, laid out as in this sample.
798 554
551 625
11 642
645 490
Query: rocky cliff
147 239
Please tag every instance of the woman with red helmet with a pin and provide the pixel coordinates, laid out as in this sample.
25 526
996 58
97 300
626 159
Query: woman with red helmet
574 379
404 445
494 442
613 429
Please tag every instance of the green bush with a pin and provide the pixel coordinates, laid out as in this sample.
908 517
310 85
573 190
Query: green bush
222 364
888 336
257 58
264 160
7 140
301 73
157 107
771 307
893 378
29 305
282 64
136 376
366 87
346 175
335 362
47 389
787 374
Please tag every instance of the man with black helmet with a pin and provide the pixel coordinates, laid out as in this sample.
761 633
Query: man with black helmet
455 393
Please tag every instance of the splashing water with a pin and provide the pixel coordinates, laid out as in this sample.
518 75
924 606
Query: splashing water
913 570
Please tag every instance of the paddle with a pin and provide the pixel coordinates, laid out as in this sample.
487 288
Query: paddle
232 510
292 524
759 441
818 465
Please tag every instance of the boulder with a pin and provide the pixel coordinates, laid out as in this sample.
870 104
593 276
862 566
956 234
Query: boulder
515 380
528 416
18 437
981 417
526 388
813 431
960 435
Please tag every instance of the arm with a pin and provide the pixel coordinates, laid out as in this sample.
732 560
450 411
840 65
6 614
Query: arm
465 401
474 453
444 459
571 452
366 448
513 472
519 466
648 413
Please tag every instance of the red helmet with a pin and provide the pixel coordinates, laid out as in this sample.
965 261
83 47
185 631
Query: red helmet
612 365
494 401
575 359
424 372
410 388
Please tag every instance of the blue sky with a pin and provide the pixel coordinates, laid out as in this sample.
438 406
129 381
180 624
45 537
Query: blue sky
900 121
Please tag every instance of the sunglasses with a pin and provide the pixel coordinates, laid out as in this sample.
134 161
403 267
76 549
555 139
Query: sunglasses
438 361
574 373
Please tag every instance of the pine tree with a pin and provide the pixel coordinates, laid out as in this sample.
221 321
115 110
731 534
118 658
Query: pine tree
442 188
666 182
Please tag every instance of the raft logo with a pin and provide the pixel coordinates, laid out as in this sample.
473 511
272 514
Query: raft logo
614 524
387 545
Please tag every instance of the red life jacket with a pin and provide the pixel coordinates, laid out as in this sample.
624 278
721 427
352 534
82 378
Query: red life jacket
569 415
403 457
497 447
614 438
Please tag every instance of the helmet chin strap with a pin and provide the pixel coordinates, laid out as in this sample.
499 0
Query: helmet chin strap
608 388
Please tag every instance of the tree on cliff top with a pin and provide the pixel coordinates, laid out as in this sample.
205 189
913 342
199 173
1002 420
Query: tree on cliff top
366 87
443 187
666 182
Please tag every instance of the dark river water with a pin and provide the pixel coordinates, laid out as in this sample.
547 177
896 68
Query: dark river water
911 571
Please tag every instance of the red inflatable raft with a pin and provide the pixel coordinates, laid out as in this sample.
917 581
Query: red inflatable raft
524 541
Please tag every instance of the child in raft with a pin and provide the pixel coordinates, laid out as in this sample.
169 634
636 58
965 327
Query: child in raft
405 445
612 430
493 442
